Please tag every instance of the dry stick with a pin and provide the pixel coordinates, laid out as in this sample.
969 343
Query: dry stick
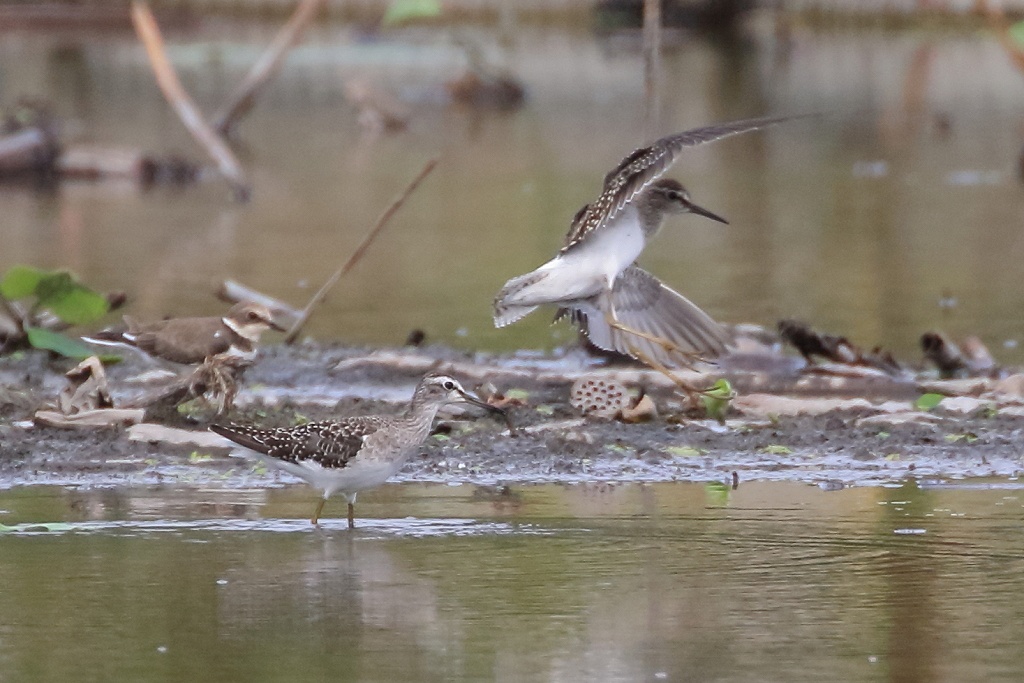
652 64
321 294
174 93
244 97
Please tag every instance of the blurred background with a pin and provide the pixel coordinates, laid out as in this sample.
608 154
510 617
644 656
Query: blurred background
897 211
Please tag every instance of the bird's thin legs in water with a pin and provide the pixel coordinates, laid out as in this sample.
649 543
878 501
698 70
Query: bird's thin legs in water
351 516
319 509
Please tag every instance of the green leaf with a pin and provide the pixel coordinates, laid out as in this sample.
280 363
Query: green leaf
928 401
20 281
73 303
410 10
684 451
1016 32
48 340
777 449
517 394
717 493
716 399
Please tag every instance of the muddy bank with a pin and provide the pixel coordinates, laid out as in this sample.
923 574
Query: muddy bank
787 424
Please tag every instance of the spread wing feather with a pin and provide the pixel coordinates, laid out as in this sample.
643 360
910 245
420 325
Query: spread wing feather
645 165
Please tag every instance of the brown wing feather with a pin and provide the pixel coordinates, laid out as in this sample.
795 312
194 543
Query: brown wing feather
645 165
182 340
330 444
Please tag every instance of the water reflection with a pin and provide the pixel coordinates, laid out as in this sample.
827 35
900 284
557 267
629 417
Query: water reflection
616 583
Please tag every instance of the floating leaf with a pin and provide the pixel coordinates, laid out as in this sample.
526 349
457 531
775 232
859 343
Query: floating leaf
777 449
197 457
517 394
717 493
410 10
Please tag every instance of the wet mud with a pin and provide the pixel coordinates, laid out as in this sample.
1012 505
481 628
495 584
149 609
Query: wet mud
869 434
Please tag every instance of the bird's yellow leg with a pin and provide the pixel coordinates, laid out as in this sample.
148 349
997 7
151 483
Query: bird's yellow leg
319 509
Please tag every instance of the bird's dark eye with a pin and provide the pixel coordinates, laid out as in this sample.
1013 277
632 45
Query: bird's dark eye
448 385
253 316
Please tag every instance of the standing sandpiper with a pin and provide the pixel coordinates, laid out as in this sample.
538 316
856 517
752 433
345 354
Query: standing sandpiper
592 278
356 453
190 341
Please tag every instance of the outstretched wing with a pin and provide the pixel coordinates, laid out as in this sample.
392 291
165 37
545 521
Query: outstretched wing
645 305
329 444
647 164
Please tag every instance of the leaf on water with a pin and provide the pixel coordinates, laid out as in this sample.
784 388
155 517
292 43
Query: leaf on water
777 449
442 437
517 394
20 281
717 493
928 401
545 409
410 10
685 451
892 457
48 340
197 457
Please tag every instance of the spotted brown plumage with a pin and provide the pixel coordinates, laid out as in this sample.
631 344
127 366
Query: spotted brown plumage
643 166
355 453
328 444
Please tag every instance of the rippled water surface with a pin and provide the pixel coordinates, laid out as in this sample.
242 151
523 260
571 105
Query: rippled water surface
680 582
904 192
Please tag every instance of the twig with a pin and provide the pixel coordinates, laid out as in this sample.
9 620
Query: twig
235 292
652 64
149 33
321 294
244 96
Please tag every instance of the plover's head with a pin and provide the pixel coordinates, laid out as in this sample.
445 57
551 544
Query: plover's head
251 320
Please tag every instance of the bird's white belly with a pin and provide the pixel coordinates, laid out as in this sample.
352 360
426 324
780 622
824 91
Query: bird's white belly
607 252
357 476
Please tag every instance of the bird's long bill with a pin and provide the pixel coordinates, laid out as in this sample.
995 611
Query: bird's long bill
277 326
701 211
469 398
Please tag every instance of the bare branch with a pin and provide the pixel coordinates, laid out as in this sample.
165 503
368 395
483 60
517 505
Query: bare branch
149 33
244 97
321 294
652 65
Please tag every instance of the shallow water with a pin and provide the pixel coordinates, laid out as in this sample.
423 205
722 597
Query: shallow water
770 582
859 222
